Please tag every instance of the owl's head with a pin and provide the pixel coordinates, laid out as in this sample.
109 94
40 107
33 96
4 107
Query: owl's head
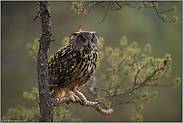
85 39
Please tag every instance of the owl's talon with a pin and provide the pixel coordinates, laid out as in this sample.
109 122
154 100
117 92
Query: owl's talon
81 96
72 95
72 98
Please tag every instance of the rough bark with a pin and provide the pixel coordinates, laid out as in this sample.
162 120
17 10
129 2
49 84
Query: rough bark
46 107
89 104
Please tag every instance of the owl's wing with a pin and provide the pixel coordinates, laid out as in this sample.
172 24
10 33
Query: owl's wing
63 66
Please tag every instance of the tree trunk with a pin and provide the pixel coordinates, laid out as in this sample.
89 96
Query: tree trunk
46 107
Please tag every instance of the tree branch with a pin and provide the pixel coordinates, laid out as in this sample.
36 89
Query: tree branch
140 85
94 105
115 5
93 90
46 108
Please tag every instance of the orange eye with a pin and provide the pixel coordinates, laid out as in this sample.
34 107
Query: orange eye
92 40
82 40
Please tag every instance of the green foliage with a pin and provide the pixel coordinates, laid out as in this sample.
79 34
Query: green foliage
137 69
34 48
22 114
101 53
65 41
138 118
130 60
146 96
123 41
101 43
173 9
62 113
148 49
174 19
33 95
141 7
155 5
163 16
176 82
78 6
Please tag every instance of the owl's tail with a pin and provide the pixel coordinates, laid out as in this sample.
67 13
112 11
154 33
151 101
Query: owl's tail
58 92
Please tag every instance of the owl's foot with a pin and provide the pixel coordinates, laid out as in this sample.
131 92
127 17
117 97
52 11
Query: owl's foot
71 94
81 96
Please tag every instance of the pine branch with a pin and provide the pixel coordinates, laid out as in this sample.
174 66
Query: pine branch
135 86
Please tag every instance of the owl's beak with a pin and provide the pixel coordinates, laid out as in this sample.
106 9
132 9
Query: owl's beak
89 44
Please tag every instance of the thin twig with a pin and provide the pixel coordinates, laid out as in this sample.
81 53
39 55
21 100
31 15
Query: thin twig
127 102
130 90
165 11
117 88
105 14
146 6
159 14
92 7
94 91
135 79
36 16
130 5
107 77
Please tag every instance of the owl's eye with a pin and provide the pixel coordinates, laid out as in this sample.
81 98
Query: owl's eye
92 40
82 40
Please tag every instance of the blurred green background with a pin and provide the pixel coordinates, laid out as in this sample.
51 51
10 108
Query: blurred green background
19 71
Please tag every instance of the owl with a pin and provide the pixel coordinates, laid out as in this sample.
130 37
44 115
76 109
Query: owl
73 65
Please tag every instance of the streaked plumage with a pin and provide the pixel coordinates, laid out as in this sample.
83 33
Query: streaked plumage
73 65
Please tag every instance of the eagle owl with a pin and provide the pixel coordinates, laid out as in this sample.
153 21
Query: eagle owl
73 65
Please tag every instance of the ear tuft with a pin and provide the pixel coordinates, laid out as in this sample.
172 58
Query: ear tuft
75 33
80 30
94 33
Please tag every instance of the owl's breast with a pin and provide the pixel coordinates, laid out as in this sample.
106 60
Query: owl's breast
74 66
91 57
88 65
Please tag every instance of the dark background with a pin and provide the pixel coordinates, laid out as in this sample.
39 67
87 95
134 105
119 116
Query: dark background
19 71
